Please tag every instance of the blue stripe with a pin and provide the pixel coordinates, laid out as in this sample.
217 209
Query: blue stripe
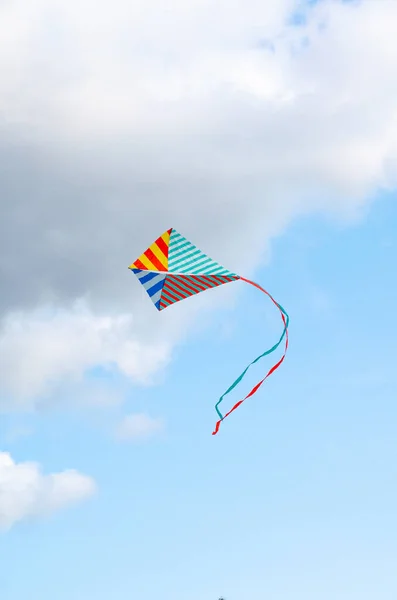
156 296
152 282
155 288
148 277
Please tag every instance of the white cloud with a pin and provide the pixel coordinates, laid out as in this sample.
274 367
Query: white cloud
219 118
45 353
138 427
37 350
27 493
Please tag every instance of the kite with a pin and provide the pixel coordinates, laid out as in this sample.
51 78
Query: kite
173 269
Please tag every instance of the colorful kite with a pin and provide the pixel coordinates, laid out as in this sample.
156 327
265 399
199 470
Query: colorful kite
173 269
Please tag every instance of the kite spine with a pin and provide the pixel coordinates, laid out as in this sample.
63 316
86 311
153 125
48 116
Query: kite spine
285 319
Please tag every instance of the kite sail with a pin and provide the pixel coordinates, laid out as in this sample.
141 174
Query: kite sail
173 269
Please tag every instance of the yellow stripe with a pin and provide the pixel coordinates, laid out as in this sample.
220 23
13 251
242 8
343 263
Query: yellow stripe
160 255
148 263
166 237
157 252
135 265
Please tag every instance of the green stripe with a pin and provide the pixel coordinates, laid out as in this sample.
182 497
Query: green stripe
187 292
185 256
178 248
175 256
198 268
175 239
164 302
177 293
175 235
253 362
168 298
193 285
185 268
215 270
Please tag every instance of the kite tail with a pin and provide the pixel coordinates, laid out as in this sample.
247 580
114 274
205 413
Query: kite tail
285 319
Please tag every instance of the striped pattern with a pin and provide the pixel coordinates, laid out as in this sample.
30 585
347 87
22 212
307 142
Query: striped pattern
178 287
155 258
153 284
173 268
184 257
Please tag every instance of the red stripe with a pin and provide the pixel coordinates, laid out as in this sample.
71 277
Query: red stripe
219 279
173 297
184 292
227 278
154 260
164 302
162 246
178 282
185 281
271 371
140 265
211 280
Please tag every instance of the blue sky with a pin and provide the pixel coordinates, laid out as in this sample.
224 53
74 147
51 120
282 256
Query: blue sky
295 498
279 164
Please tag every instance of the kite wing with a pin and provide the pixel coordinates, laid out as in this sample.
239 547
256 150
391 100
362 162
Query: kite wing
173 269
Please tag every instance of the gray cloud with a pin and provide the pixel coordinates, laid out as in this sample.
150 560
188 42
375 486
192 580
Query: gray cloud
116 126
72 222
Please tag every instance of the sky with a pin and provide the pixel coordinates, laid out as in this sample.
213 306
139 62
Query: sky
266 133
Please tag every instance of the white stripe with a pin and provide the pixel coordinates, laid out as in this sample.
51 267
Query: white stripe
152 280
189 258
198 264
182 244
156 297
149 284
